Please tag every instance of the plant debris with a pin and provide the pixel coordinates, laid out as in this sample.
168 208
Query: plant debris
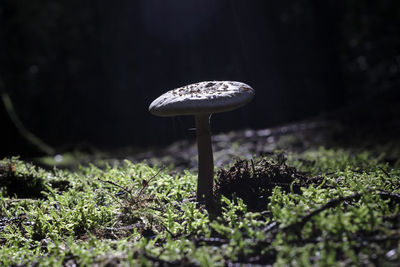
254 182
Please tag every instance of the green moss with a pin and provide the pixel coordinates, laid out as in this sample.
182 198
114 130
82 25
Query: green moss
134 214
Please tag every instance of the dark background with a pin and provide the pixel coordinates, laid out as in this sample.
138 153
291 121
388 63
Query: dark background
86 71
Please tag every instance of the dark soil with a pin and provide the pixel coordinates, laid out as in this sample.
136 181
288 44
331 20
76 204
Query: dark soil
14 184
22 186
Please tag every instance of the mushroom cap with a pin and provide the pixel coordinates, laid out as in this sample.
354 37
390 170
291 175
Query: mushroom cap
202 98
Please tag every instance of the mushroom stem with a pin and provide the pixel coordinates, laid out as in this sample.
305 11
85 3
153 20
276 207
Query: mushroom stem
205 179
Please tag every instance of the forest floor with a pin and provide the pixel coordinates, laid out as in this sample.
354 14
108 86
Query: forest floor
318 192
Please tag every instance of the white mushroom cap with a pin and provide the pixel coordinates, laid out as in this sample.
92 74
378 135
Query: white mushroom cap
203 97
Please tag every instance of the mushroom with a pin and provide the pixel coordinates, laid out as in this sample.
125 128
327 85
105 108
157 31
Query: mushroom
201 100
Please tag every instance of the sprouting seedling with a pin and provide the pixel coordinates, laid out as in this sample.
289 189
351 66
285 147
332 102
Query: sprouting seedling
145 183
201 100
134 199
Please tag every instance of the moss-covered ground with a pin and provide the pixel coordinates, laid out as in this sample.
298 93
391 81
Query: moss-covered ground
316 207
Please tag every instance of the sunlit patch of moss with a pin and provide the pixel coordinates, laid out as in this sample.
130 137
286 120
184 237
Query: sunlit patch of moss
134 214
